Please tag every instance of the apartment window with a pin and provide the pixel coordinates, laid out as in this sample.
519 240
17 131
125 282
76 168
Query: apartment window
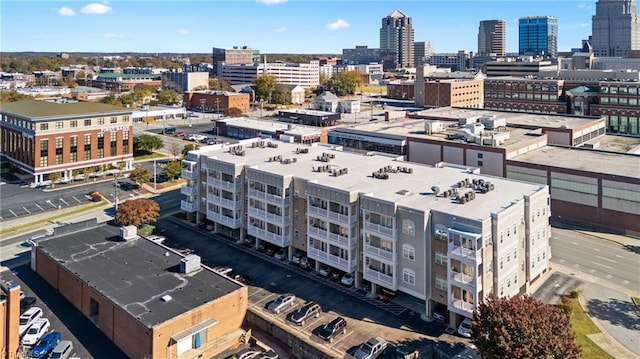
112 146
441 283
480 163
515 278
501 289
409 276
408 227
59 125
44 126
501 237
73 123
441 258
125 142
408 252
515 228
515 253
113 120
87 147
101 121
100 152
87 123
508 231
501 262
100 140
59 146
508 282
44 152
125 118
480 155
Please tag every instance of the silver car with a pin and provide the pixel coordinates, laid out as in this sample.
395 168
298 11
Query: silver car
311 309
282 302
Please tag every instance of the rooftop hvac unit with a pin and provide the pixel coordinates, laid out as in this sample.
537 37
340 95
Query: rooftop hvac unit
435 189
128 232
189 264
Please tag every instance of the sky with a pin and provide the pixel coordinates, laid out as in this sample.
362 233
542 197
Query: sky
271 26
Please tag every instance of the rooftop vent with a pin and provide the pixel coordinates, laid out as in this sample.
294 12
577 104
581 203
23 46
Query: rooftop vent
302 150
165 298
189 264
403 192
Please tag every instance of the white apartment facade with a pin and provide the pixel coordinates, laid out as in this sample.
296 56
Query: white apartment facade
306 75
445 236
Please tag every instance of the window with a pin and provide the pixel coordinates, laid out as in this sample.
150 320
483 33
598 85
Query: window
87 123
408 252
59 147
409 276
73 123
87 147
44 152
501 262
112 145
480 155
515 278
408 227
59 125
441 283
489 267
44 126
501 237
480 163
125 142
441 258
101 121
125 118
113 120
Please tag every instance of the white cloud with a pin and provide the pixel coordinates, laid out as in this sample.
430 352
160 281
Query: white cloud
96 9
585 24
281 29
65 11
111 35
183 31
271 2
585 6
338 24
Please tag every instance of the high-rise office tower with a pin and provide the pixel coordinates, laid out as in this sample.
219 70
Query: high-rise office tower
422 51
491 37
396 40
615 28
538 36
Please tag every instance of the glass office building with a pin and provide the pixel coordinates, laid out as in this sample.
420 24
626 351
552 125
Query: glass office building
538 36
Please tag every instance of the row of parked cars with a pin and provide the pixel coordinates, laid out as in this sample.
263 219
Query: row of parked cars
35 336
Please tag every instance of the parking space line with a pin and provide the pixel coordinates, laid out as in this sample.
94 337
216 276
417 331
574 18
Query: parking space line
256 292
63 201
26 210
341 337
269 297
37 205
311 322
77 200
14 213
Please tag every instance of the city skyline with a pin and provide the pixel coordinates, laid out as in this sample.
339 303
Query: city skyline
272 26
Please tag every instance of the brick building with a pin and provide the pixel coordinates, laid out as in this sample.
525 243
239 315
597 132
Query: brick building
216 101
9 319
151 301
42 138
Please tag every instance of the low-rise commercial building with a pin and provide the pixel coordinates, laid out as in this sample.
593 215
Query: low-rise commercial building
442 235
151 301
244 127
216 101
66 138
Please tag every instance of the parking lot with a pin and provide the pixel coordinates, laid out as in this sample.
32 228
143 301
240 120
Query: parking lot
270 277
88 341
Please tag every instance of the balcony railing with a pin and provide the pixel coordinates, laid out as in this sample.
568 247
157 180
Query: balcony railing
343 218
464 279
189 190
345 241
230 186
227 203
189 206
465 253
318 232
462 305
192 175
276 218
234 223
277 239
380 229
317 211
379 253
379 277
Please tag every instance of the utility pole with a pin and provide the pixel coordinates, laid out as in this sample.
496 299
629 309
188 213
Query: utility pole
155 181
217 101
261 102
202 102
115 185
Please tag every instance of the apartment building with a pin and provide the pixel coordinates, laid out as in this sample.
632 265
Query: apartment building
444 236
306 75
233 55
68 138
185 81
149 300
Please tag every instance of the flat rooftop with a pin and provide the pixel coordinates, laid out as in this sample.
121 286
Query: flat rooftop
614 143
136 273
545 120
359 178
308 112
584 160
270 125
39 110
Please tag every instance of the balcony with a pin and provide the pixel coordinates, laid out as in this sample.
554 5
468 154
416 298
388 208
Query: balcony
461 307
340 239
380 278
343 218
379 253
277 239
466 281
318 232
319 212
191 175
234 223
189 206
229 186
189 190
275 218
227 203
379 229
465 254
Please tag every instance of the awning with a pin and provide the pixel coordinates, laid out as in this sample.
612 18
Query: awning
193 330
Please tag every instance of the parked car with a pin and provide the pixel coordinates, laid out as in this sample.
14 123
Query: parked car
306 263
37 330
347 280
282 302
204 139
249 353
269 355
45 345
27 303
335 275
311 309
372 349
156 238
281 254
297 256
181 134
28 318
169 130
464 328
440 313
323 271
242 279
332 329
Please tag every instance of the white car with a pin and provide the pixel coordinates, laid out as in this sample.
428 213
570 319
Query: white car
347 280
155 238
464 328
282 302
37 330
372 349
28 318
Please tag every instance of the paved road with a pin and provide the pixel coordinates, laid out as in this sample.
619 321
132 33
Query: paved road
604 262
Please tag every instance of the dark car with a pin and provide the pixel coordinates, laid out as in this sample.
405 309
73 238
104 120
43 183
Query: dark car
332 329
311 309
45 345
27 303
169 130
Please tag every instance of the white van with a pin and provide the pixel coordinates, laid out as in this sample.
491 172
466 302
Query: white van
62 350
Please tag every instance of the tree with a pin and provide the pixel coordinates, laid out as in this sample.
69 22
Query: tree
126 99
172 169
11 96
147 143
279 95
137 211
234 112
323 78
168 97
74 174
522 327
89 171
175 149
111 100
54 177
345 82
220 85
188 147
140 175
265 85
141 94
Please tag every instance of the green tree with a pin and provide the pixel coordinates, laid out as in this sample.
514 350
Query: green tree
141 95
137 211
168 97
323 78
11 96
219 85
126 99
265 85
111 100
54 177
172 169
147 143
522 327
188 147
140 175
346 82
279 95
